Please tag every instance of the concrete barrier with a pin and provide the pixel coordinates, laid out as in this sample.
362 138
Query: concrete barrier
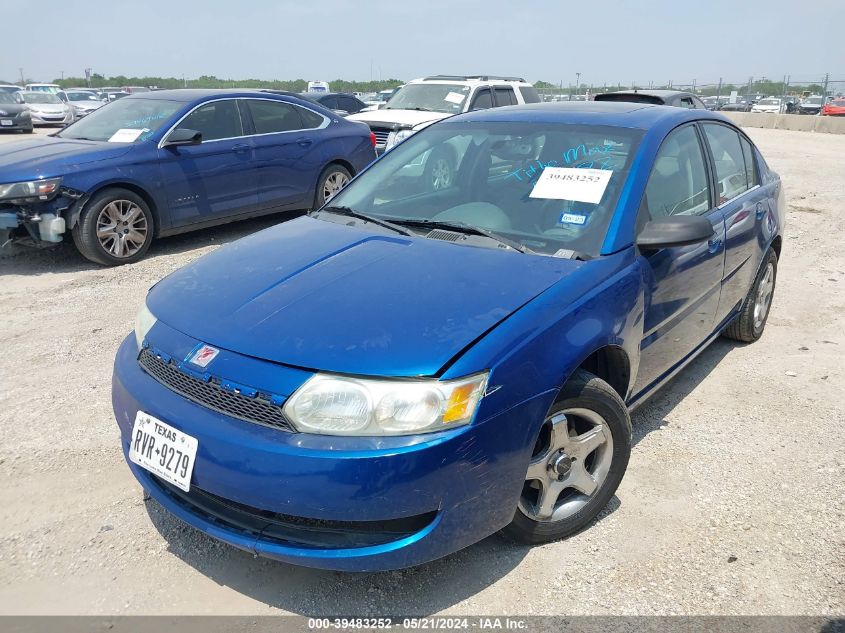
797 122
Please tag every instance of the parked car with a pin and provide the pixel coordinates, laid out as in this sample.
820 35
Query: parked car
166 162
836 107
401 374
318 86
740 105
338 102
421 102
378 99
10 88
811 105
82 102
714 103
51 88
656 97
771 105
46 108
14 114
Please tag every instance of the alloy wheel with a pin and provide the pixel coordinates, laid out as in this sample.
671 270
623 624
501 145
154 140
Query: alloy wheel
122 228
441 174
570 463
334 182
764 296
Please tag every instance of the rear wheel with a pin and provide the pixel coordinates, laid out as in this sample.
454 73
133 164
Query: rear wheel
439 170
114 228
331 180
748 326
579 459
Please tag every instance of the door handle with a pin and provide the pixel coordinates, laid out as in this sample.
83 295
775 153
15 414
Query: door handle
761 210
240 148
304 142
714 245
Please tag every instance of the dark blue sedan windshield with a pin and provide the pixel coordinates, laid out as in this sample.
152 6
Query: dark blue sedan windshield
123 121
546 186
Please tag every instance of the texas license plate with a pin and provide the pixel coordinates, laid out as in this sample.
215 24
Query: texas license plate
164 451
6 122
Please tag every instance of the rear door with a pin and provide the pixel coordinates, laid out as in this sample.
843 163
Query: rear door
288 152
745 206
682 284
216 178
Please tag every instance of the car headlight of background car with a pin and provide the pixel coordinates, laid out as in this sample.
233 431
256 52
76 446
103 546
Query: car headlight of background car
39 189
144 322
394 138
339 405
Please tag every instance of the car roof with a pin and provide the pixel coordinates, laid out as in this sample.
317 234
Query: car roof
192 94
613 113
662 94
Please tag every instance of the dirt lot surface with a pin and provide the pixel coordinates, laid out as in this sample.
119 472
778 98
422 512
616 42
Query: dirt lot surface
733 503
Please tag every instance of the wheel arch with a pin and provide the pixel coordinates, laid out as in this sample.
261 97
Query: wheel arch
73 217
612 364
776 245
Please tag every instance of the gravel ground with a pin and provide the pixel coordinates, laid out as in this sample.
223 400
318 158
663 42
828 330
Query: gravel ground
733 502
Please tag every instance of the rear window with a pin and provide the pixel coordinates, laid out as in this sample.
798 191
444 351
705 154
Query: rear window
630 97
529 94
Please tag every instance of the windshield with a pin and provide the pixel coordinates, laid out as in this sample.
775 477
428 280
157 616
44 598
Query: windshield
7 97
770 102
81 96
124 121
430 97
40 97
544 186
814 100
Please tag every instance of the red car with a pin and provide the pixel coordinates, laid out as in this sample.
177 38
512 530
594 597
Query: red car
834 108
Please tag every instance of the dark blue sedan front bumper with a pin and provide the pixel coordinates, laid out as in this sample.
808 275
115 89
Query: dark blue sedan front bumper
345 503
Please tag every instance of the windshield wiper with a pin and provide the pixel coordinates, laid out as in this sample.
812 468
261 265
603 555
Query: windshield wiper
352 213
463 227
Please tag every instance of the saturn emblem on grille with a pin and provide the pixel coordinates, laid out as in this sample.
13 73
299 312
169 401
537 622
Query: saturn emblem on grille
203 355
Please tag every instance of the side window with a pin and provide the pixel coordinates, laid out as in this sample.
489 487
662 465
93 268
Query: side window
686 102
505 97
482 100
750 164
310 119
274 116
731 179
216 120
349 104
698 104
529 94
329 102
678 181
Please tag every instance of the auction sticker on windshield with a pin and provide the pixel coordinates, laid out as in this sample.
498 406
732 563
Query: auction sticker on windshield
163 450
572 183
126 135
454 97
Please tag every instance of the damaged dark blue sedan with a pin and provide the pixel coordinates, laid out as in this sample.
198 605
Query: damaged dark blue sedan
425 361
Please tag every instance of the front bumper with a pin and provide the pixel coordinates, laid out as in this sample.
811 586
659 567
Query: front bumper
15 123
50 119
452 488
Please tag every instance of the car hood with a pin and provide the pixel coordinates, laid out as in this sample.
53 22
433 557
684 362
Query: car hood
48 107
46 157
11 109
397 118
326 296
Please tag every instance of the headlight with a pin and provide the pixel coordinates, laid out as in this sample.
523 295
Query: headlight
394 138
143 324
24 114
337 405
41 189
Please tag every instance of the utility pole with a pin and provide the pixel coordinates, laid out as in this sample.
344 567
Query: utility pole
577 82
22 81
719 93
826 79
693 86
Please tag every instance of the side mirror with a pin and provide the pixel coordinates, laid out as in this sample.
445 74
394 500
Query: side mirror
183 136
674 230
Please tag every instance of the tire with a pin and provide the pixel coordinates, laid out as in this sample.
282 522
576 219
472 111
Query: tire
122 210
594 412
332 179
439 172
29 131
748 326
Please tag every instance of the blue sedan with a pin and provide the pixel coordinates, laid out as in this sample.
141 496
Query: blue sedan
416 366
160 163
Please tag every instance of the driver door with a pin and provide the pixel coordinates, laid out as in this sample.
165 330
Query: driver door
683 284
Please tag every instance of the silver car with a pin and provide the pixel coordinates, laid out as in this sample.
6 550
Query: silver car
47 109
82 102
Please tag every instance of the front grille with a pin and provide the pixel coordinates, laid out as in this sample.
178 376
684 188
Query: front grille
212 395
381 134
287 529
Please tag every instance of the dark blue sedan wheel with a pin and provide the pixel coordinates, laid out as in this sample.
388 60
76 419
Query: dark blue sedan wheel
578 460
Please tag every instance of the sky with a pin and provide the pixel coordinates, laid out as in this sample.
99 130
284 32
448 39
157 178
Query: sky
606 41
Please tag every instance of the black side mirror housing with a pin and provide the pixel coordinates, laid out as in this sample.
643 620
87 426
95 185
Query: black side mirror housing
673 231
183 136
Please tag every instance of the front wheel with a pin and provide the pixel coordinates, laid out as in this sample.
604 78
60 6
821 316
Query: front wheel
439 170
748 326
114 228
578 461
331 181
